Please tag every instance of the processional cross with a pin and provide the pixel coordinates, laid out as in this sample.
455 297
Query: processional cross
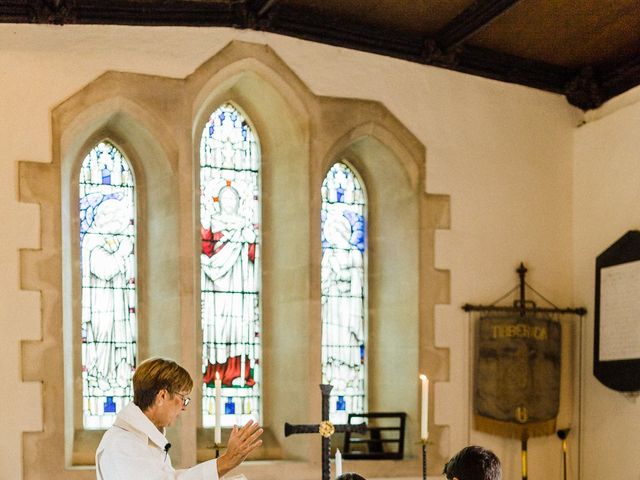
326 429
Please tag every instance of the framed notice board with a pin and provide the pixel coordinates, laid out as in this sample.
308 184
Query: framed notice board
616 360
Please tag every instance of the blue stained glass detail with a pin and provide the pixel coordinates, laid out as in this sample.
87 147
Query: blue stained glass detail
343 279
358 236
109 406
230 266
106 176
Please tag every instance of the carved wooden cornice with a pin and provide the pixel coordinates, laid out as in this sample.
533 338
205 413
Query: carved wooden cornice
584 89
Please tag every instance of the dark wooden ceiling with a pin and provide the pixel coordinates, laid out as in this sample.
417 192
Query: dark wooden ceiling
587 50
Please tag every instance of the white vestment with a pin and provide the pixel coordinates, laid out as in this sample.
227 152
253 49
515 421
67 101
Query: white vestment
134 449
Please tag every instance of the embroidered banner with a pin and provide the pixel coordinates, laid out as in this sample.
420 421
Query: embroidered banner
517 375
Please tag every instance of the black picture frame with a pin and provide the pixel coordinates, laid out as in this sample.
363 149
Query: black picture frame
619 375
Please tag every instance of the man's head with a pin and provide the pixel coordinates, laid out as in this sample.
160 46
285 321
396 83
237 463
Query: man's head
160 389
473 463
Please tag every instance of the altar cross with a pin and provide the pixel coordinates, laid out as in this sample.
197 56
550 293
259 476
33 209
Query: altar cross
326 429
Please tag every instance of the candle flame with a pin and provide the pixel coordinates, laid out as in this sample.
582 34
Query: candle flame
423 376
217 375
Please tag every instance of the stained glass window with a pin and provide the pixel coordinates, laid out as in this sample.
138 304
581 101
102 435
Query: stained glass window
108 272
343 284
230 267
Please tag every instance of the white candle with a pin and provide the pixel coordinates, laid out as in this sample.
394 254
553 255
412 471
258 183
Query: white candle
218 433
338 463
424 414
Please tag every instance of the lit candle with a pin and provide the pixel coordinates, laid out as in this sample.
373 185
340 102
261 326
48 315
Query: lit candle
338 463
218 433
424 415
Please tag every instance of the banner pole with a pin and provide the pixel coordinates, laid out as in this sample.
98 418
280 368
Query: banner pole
524 458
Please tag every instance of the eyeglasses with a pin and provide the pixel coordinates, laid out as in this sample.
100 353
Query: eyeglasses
185 399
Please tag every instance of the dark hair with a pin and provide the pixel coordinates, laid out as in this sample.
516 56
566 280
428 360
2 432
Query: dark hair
350 476
157 374
473 463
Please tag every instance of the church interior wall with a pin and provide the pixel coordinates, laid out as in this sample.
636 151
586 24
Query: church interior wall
501 153
606 206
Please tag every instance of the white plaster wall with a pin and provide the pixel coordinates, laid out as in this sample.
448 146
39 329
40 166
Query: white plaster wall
502 152
606 206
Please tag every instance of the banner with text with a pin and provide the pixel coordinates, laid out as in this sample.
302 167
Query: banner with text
517 375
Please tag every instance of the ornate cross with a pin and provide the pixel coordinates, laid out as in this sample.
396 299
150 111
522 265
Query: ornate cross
326 429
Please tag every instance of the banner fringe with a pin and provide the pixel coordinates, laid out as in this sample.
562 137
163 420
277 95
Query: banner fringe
514 430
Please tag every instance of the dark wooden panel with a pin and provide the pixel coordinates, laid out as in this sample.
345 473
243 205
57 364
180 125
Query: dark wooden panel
571 33
412 17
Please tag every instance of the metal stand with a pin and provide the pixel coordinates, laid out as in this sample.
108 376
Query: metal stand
326 429
562 435
217 447
522 305
523 308
525 470
424 459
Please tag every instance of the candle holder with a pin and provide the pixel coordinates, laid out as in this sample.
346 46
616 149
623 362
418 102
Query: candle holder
217 447
424 443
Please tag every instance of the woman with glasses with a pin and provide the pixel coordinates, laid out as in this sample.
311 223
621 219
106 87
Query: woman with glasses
136 446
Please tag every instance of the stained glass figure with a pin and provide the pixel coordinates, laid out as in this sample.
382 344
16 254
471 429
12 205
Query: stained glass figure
108 272
343 274
230 266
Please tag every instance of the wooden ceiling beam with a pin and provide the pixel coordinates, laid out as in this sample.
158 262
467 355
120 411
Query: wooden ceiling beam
513 69
121 12
621 77
474 18
264 6
309 25
14 11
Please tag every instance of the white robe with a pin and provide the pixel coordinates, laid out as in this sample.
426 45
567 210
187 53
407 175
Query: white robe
133 448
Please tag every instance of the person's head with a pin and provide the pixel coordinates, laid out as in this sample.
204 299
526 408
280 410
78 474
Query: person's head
473 463
350 476
161 388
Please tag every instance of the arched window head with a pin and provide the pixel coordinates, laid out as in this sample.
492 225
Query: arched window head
230 268
343 295
108 283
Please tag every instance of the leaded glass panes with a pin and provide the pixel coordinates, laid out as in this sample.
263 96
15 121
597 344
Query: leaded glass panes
344 243
230 267
108 272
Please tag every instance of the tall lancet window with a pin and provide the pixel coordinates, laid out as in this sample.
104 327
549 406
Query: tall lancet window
230 267
108 282
343 295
